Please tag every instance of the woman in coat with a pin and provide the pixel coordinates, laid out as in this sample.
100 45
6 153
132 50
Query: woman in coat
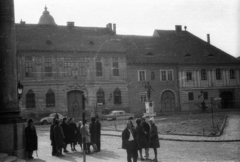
86 137
72 133
153 138
31 139
141 138
59 137
65 128
93 132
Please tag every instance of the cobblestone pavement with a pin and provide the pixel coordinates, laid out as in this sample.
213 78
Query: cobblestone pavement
231 133
170 151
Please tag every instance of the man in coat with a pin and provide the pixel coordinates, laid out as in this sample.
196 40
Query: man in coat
98 133
146 129
59 138
31 139
129 142
52 137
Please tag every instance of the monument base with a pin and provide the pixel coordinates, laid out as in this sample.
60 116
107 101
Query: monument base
149 105
12 135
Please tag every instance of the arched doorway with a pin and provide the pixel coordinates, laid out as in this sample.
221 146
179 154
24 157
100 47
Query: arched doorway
168 101
227 100
74 99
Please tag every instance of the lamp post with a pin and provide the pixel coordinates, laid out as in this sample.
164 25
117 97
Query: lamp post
83 121
19 90
214 99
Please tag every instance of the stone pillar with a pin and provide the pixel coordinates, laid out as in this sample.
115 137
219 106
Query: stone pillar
224 77
12 140
183 79
213 78
195 79
199 80
209 78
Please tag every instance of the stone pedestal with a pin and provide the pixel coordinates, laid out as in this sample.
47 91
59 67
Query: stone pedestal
149 105
12 135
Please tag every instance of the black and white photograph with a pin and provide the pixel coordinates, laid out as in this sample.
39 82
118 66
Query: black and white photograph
119 81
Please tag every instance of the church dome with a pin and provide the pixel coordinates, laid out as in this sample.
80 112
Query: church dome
46 18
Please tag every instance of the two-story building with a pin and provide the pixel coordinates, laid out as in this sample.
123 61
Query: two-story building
57 64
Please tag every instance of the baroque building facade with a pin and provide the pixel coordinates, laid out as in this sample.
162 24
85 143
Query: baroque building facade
57 64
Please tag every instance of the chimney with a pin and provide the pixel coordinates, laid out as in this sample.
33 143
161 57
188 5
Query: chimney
70 24
178 28
22 22
109 26
208 38
114 29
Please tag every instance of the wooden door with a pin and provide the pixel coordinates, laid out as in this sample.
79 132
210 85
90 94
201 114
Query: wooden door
75 104
168 101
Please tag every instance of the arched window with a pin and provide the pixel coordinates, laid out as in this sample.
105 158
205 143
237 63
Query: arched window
152 75
30 99
50 98
100 96
117 96
203 74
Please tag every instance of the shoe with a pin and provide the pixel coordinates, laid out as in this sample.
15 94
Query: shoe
142 159
30 157
74 150
65 151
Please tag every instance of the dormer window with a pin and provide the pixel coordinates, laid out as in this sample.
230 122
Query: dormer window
187 55
91 43
149 54
210 54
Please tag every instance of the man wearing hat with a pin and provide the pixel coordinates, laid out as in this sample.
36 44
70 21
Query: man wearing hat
153 138
31 139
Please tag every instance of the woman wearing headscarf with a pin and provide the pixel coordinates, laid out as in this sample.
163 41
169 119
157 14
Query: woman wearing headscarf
153 138
31 138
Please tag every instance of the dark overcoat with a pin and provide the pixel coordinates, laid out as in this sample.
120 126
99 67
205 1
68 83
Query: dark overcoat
73 132
66 132
98 130
59 136
153 137
31 138
141 137
93 132
146 128
125 136
52 138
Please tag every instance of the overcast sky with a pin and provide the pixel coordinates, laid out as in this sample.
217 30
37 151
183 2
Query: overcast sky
219 18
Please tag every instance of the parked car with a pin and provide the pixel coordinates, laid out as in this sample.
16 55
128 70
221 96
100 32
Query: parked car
49 119
118 114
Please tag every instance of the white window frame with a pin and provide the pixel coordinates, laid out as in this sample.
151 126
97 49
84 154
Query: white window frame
166 71
144 75
141 96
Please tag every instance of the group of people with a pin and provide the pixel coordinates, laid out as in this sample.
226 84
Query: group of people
143 136
66 131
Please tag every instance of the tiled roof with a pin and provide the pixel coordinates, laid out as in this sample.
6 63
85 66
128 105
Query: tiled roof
169 47
63 38
172 47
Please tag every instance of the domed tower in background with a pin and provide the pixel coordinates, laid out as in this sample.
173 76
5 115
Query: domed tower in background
46 18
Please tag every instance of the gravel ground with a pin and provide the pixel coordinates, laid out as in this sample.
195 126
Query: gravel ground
189 124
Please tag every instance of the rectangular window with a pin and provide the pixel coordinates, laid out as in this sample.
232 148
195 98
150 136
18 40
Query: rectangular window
189 75
115 67
82 69
143 97
190 96
205 95
218 74
28 69
98 68
141 75
203 74
170 75
67 69
232 74
166 75
48 69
